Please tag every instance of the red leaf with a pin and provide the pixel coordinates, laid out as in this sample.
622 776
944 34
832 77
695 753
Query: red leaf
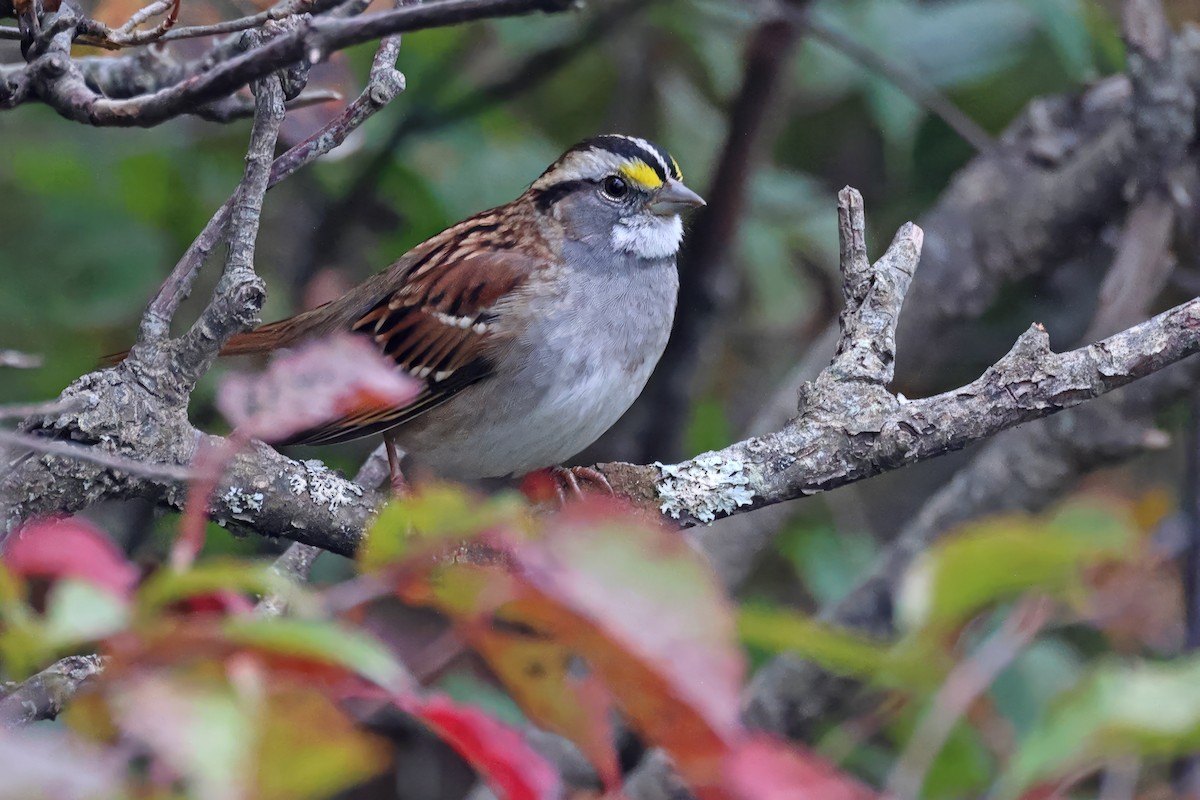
667 650
316 383
220 603
513 769
69 548
764 769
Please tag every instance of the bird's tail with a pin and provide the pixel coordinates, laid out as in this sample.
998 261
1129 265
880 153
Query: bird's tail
263 339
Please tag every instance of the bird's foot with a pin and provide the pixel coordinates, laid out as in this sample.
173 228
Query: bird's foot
563 483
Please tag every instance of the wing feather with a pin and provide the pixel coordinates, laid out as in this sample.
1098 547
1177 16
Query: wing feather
442 322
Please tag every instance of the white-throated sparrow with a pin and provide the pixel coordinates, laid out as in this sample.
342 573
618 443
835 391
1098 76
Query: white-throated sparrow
534 325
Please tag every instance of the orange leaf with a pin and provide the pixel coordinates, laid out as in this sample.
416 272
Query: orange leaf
540 675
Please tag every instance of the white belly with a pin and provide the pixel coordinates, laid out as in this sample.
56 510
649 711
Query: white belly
487 437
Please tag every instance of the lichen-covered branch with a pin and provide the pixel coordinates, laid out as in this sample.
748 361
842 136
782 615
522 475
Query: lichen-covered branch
839 438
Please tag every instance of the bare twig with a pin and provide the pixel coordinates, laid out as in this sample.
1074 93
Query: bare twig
383 85
237 107
128 35
240 292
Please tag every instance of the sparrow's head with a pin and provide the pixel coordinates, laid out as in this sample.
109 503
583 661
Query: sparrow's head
629 188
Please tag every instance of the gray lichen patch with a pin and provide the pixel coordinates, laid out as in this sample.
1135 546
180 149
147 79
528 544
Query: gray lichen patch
707 486
239 501
323 486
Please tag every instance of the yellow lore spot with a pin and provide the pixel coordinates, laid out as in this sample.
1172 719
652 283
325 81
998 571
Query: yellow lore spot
641 173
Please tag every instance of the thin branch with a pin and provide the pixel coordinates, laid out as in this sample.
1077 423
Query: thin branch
238 107
921 92
127 35
240 292
24 442
44 695
60 83
383 85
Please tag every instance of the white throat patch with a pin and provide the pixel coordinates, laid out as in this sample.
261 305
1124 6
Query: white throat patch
648 235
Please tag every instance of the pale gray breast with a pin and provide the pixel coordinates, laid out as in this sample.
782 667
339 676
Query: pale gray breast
615 310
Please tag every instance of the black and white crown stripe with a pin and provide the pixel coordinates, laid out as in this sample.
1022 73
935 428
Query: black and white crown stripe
596 158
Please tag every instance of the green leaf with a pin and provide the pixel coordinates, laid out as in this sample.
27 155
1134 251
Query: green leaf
324 642
1003 557
1141 709
79 612
1064 23
837 649
309 749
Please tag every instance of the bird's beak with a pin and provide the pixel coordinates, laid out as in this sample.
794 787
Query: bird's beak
674 198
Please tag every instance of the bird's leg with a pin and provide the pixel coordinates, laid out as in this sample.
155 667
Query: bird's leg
567 482
395 476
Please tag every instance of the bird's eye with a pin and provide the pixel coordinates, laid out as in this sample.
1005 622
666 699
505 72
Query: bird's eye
615 187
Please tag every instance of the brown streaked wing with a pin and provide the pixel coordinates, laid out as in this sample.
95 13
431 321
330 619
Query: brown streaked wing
439 324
